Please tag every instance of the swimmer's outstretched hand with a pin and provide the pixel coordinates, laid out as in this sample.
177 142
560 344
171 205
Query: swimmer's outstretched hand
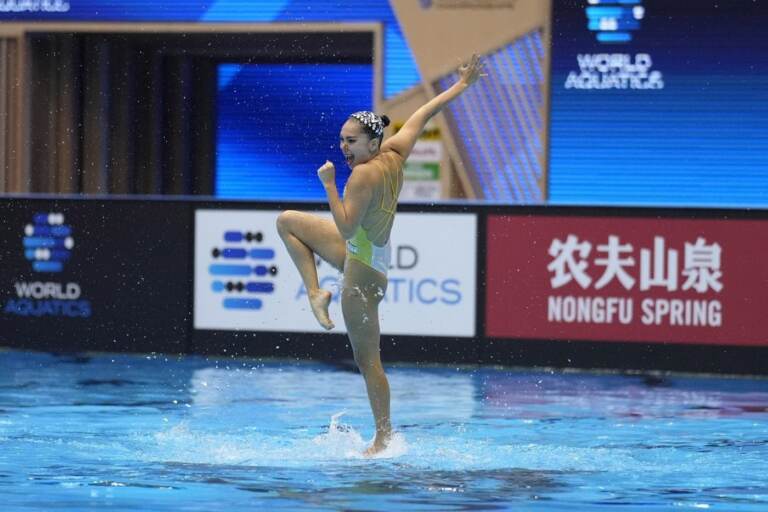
472 70
327 173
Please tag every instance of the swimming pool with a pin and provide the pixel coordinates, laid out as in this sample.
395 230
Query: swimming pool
123 432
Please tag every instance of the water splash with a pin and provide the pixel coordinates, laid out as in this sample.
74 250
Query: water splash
183 444
341 441
345 442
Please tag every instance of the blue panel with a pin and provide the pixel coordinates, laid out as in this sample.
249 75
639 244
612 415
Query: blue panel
701 139
278 123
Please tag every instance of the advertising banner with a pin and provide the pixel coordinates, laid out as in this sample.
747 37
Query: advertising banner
101 275
245 279
667 280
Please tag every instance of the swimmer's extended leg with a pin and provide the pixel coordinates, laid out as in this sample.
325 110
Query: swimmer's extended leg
305 235
363 290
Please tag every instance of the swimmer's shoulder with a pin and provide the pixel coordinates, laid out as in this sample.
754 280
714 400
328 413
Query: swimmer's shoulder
367 173
390 158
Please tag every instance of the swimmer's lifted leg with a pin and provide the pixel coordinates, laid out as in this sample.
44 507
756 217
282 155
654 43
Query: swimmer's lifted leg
305 235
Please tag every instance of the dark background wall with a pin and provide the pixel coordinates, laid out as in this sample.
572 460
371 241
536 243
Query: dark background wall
134 113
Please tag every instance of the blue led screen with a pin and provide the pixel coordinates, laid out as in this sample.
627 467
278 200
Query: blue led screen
400 71
277 123
659 102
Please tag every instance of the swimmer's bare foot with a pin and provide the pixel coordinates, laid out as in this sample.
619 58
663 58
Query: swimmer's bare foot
380 443
319 301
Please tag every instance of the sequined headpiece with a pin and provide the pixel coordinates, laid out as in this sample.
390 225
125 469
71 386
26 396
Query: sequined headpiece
371 121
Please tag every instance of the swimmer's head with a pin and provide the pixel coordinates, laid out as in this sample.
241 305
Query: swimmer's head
360 137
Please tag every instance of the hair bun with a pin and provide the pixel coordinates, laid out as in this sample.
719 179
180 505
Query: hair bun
385 121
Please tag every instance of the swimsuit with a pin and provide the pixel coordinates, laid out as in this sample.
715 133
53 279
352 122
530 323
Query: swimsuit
360 248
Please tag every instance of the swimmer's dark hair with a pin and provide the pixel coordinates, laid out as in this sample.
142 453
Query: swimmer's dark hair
373 124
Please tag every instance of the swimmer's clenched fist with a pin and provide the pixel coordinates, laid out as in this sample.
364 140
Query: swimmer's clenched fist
327 172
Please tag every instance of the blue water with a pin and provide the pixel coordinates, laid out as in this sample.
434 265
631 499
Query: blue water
163 433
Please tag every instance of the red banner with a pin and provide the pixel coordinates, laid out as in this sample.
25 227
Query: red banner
627 279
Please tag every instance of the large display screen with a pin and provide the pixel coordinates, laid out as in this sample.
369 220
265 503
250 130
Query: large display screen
659 102
277 123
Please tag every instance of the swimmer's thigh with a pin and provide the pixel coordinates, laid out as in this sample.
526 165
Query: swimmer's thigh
319 234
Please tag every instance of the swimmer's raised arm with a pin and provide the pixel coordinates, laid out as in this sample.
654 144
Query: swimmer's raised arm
347 213
403 141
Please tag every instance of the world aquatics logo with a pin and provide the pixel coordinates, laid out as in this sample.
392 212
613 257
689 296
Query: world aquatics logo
615 20
48 242
243 270
48 245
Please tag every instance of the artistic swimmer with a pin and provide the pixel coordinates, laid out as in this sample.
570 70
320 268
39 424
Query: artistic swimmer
357 240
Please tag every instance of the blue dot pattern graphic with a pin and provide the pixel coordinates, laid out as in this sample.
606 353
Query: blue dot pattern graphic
243 270
48 242
615 20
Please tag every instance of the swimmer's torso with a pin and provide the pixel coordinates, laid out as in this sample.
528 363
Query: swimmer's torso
378 219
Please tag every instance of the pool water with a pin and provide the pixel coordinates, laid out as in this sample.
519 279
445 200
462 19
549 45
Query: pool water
124 432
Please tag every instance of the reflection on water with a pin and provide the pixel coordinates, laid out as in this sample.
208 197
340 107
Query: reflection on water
543 395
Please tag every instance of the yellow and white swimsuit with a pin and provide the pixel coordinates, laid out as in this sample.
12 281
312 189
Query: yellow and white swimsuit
360 247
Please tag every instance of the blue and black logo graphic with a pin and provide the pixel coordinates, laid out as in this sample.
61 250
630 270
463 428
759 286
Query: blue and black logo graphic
48 242
615 20
243 271
48 245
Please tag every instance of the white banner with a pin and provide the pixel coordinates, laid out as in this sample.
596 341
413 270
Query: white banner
245 279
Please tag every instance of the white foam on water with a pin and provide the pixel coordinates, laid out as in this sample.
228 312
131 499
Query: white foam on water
183 444
343 441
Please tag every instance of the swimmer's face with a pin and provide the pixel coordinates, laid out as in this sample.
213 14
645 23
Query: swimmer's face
356 145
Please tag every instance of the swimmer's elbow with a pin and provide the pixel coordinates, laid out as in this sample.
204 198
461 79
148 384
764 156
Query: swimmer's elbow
347 227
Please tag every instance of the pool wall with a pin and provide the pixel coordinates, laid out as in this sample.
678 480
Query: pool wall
628 288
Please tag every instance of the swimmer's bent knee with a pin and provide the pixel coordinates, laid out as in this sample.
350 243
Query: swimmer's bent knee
285 219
